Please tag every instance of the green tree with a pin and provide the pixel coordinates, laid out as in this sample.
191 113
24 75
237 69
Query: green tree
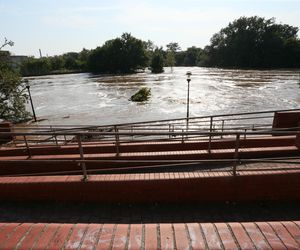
33 66
254 42
173 47
57 63
121 55
71 61
192 56
170 59
12 95
157 62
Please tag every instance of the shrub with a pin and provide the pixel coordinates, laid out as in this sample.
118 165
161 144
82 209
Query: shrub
142 95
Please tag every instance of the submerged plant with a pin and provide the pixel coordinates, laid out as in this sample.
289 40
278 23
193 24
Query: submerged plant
142 95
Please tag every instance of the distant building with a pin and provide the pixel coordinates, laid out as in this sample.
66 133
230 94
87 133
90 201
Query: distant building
15 61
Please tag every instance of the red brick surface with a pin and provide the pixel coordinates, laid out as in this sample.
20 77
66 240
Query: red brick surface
185 187
251 235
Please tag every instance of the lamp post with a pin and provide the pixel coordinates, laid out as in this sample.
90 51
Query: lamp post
189 73
28 88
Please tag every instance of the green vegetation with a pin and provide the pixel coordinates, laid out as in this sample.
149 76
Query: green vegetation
142 95
172 48
12 96
248 42
157 61
121 55
191 57
66 63
254 42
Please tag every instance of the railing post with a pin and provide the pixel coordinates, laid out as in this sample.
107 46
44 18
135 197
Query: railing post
54 135
236 153
27 147
82 164
210 131
55 138
209 144
245 134
65 138
222 129
117 140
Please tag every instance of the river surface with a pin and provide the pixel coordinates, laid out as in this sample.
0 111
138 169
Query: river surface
89 99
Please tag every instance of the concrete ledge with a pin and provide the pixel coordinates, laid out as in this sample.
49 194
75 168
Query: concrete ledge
155 187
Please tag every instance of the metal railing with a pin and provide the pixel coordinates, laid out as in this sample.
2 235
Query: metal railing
220 123
114 139
237 122
207 129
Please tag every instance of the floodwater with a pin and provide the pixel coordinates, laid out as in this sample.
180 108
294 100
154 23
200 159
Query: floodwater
89 99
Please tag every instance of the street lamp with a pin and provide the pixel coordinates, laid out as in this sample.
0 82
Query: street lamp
189 73
28 88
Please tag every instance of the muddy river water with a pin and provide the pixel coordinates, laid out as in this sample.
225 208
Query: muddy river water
89 99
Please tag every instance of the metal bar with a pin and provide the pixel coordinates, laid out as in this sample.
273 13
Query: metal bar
255 160
176 119
65 139
82 164
117 140
27 147
210 134
236 153
260 132
222 130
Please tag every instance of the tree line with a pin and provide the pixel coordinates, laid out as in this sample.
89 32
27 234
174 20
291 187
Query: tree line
248 42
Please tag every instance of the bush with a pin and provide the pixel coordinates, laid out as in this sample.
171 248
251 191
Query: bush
157 62
121 55
142 95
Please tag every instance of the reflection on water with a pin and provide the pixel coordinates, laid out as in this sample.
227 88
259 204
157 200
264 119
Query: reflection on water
90 99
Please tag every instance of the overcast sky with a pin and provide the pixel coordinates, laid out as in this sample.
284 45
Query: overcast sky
62 26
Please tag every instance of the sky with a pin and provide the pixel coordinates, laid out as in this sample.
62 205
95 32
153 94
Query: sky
62 26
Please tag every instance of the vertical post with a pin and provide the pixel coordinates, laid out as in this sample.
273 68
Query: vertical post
236 153
189 73
182 138
27 147
30 98
82 164
117 140
169 131
210 131
222 130
55 138
188 106
245 134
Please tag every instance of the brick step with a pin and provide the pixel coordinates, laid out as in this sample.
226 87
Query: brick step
192 235
42 167
156 187
152 146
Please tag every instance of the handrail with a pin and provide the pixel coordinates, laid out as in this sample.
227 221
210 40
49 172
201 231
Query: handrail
163 120
199 130
267 132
